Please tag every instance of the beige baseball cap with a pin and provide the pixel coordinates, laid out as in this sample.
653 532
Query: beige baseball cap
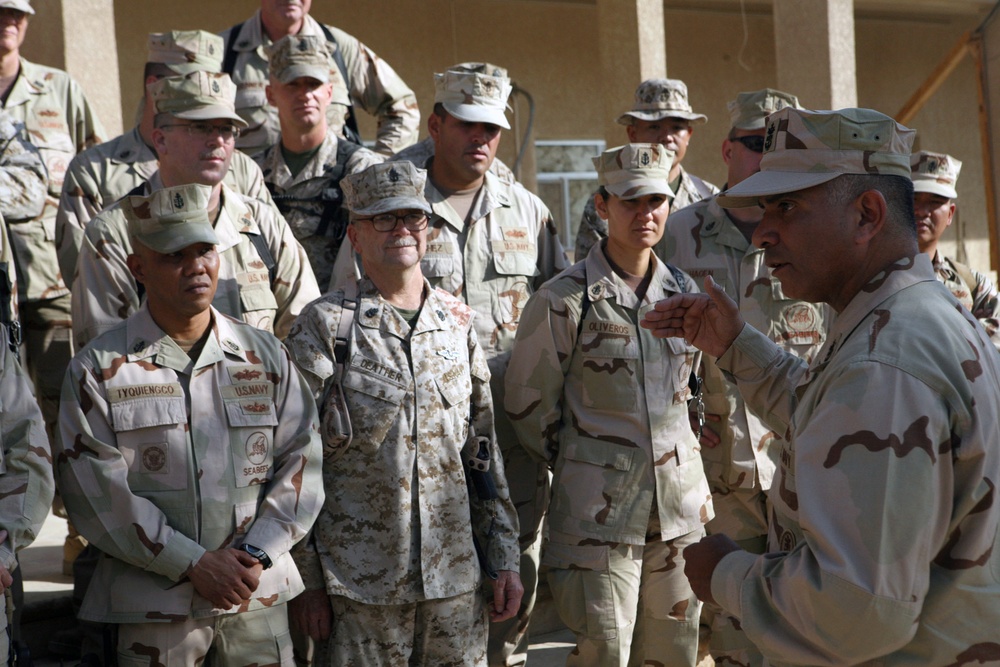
19 5
634 170
296 56
474 92
196 96
656 99
936 173
387 186
186 51
804 148
171 219
749 110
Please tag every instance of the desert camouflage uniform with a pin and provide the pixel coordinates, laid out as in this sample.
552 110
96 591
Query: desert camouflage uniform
592 229
421 152
303 198
605 404
703 241
103 174
374 87
885 513
980 299
164 458
395 529
105 293
26 484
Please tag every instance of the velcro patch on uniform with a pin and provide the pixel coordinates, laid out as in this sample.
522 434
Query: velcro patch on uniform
246 373
248 390
379 370
440 248
516 239
254 278
134 392
153 458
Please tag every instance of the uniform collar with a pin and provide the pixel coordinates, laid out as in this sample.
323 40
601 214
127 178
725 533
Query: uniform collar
603 283
131 149
252 33
145 341
30 82
281 176
494 196
374 312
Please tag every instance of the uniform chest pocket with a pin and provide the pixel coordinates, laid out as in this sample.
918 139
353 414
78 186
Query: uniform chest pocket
609 363
455 386
515 262
251 437
374 393
437 265
50 134
795 322
596 471
257 295
152 438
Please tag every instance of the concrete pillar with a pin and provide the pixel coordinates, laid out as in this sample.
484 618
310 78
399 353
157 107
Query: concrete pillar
814 47
78 36
632 45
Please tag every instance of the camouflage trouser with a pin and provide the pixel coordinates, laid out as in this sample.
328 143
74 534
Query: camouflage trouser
433 633
600 590
231 640
742 515
46 332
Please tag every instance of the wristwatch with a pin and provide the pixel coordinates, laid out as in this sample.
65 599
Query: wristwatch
257 553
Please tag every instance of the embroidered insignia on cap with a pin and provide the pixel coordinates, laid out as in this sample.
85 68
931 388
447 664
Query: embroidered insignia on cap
394 175
178 200
644 158
303 46
215 87
211 50
770 136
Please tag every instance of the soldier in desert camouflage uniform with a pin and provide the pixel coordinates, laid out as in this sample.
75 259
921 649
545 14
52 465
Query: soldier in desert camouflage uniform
935 176
883 541
303 170
661 114
371 83
103 174
605 405
265 276
393 548
190 456
738 449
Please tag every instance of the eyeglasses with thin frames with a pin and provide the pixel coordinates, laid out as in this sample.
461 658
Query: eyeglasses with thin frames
206 130
751 143
387 222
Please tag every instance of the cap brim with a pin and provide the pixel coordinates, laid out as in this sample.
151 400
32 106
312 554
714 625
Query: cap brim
172 240
19 6
395 204
210 112
766 183
695 118
187 68
307 71
477 113
935 188
640 187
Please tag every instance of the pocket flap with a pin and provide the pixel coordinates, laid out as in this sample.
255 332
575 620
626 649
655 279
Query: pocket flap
148 412
599 453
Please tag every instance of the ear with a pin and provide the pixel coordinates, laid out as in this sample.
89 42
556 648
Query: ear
727 150
159 141
630 132
951 213
872 215
601 206
434 126
352 235
134 264
269 95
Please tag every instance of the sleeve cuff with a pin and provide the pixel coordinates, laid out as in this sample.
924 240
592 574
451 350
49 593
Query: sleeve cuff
269 535
177 557
728 578
751 351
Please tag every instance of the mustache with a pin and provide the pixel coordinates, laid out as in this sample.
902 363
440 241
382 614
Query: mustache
214 154
401 242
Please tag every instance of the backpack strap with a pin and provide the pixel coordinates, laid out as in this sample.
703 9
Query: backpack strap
260 245
351 124
229 59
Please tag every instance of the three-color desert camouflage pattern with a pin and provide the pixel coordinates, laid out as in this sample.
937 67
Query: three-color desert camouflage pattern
103 174
592 228
885 528
105 293
397 524
374 87
981 299
163 458
304 198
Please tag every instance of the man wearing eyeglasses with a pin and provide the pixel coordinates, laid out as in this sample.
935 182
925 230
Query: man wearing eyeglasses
264 275
739 451
304 169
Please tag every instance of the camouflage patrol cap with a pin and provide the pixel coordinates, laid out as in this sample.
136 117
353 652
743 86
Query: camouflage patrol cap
474 92
387 186
196 96
803 149
296 56
634 170
19 5
936 173
171 219
749 110
656 99
186 51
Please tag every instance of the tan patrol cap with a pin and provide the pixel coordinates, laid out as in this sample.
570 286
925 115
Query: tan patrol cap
634 170
296 56
186 51
936 173
474 92
196 96
19 5
386 186
656 99
803 149
171 219
750 110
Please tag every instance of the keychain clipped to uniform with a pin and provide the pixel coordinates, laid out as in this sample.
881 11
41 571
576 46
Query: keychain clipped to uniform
694 384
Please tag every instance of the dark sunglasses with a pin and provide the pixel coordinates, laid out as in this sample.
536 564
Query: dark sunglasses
751 143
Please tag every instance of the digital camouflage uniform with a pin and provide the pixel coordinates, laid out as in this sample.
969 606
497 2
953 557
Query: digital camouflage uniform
604 403
26 484
165 458
884 536
396 527
374 87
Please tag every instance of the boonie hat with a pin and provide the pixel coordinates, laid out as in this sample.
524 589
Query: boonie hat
295 56
936 173
474 92
386 186
186 51
19 5
656 99
804 148
196 96
171 219
749 110
634 170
